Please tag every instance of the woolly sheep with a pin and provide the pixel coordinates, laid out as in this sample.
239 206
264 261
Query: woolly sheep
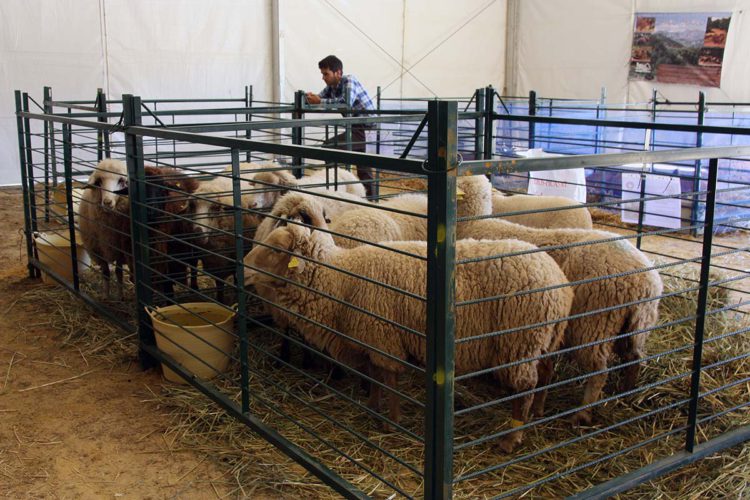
273 184
498 277
592 261
104 219
570 217
212 211
297 206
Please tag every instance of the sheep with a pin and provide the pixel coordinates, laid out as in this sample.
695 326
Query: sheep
585 262
498 277
266 195
579 218
289 205
104 218
212 211
297 206
396 219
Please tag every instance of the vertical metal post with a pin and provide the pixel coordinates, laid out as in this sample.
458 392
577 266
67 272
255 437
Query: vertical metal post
479 124
489 122
68 165
48 179
650 136
708 233
29 165
239 277
694 213
441 269
248 118
601 104
377 132
376 187
102 136
139 227
49 109
532 112
297 132
27 215
348 126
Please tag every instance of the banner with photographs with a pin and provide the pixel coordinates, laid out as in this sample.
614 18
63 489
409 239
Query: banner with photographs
685 48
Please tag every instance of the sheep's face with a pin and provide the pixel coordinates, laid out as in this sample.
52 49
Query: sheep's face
304 210
207 212
270 186
111 179
273 259
474 195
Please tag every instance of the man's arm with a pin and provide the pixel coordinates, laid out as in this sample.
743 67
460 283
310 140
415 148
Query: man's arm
312 98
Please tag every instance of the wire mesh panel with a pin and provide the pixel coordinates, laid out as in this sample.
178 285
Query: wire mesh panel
432 337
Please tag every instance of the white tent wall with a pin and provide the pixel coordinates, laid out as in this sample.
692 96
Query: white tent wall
573 48
410 48
193 48
188 48
38 47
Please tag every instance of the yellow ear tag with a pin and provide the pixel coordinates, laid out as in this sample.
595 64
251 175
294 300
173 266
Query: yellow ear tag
459 195
293 262
515 423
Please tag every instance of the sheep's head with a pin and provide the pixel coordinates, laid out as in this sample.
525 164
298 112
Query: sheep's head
274 257
300 207
110 178
270 186
474 195
210 205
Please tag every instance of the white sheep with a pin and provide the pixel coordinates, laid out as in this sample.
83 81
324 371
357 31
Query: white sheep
567 217
591 261
104 220
504 277
212 210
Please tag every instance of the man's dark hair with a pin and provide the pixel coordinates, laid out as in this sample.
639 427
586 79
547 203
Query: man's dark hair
331 62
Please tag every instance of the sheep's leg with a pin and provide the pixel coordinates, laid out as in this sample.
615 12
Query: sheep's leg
631 372
285 350
592 391
219 290
119 276
520 415
376 392
105 276
390 378
545 370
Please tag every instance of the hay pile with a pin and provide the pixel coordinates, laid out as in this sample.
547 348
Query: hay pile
260 469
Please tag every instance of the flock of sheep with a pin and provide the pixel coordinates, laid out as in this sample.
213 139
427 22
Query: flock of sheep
349 275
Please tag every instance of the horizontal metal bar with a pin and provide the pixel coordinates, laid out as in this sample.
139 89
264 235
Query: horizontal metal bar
331 155
666 465
479 167
672 127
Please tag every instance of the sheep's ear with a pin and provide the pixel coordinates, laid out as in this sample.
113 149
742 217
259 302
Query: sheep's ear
312 218
284 263
326 218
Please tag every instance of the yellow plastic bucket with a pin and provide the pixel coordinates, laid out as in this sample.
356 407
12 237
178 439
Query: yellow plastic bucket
198 335
53 250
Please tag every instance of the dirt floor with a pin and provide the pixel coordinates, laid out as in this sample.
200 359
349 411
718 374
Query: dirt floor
75 426
78 426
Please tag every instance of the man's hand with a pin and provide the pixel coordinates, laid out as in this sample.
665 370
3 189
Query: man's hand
312 98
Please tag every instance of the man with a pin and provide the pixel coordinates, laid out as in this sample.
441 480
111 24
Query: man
337 86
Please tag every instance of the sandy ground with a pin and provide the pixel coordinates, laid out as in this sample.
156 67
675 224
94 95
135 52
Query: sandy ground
77 427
